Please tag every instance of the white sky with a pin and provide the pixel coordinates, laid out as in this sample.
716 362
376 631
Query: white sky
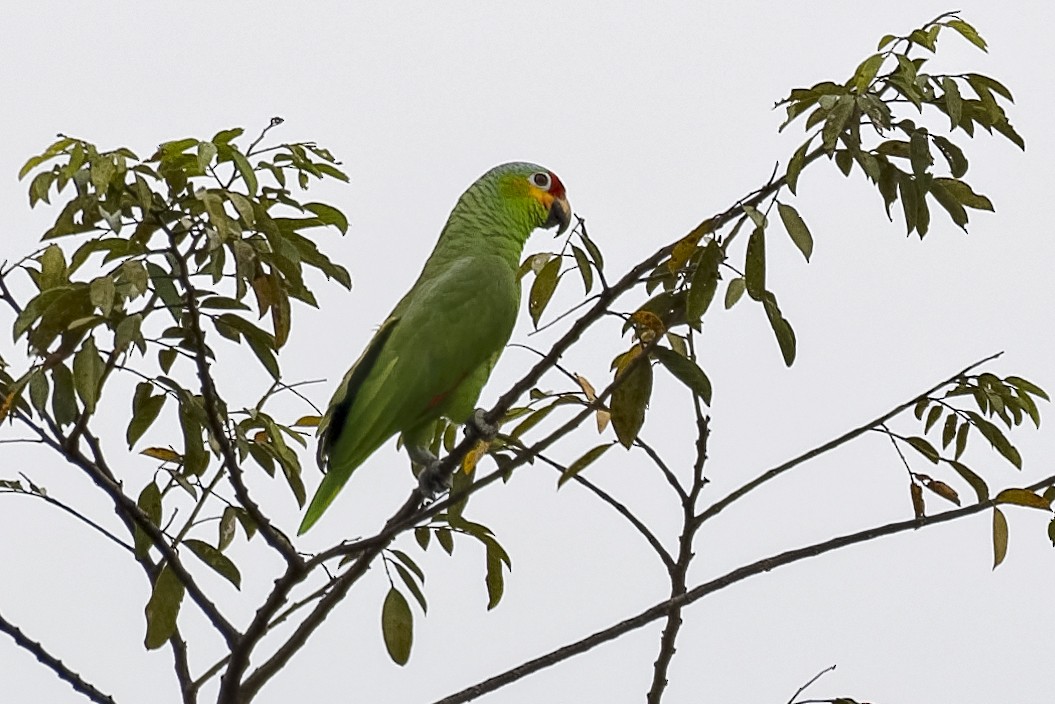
655 116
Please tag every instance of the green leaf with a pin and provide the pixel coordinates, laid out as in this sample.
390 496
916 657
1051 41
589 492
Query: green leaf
195 457
163 608
591 456
397 626
630 398
948 431
166 357
582 262
951 205
781 328
997 438
88 369
531 421
329 215
932 418
1022 497
1027 386
446 541
542 289
422 534
206 153
412 585
967 32
686 371
836 120
128 331
593 249
52 268
145 410
924 448
38 390
101 293
866 72
976 482
919 152
166 289
494 578
961 439
216 560
149 503
704 281
963 194
245 170
63 400
755 264
795 165
999 537
800 234
228 526
953 101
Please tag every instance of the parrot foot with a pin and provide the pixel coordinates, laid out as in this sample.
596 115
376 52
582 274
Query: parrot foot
487 431
431 482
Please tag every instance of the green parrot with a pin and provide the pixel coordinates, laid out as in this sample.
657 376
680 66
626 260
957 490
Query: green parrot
434 352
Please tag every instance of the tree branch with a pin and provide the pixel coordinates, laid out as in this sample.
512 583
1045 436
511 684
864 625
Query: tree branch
659 610
717 507
54 664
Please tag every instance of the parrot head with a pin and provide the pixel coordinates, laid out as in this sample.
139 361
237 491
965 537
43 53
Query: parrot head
536 191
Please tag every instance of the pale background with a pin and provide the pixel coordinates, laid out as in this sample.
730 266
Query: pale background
655 115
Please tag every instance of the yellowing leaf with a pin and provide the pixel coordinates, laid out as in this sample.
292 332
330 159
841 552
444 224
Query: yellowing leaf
918 507
162 453
307 422
683 250
603 419
587 388
1022 497
999 537
473 456
648 324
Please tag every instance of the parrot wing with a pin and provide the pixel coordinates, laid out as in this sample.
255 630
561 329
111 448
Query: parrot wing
437 339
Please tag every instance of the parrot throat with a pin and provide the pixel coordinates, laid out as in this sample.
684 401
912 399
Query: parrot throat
479 225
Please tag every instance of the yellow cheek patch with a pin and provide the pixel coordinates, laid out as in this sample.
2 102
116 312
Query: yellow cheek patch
543 197
518 186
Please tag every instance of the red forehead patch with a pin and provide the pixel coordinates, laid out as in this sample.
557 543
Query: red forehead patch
556 187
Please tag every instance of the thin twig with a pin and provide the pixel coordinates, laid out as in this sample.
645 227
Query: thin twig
73 512
716 508
663 468
813 679
54 664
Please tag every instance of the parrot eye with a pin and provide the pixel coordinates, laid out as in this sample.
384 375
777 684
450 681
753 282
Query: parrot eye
541 179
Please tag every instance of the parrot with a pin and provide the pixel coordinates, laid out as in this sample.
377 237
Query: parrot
432 355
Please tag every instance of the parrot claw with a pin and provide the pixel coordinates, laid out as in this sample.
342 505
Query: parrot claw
431 482
478 421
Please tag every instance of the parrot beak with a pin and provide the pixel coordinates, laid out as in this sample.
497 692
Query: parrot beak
559 215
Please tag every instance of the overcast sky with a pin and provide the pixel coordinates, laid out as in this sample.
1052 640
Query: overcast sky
655 115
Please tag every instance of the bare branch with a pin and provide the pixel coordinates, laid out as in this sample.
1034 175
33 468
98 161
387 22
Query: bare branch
54 664
813 679
716 508
659 610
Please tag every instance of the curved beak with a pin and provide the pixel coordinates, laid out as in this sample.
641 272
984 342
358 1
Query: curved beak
559 215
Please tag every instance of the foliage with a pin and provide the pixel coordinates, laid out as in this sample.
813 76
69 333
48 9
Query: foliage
152 263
